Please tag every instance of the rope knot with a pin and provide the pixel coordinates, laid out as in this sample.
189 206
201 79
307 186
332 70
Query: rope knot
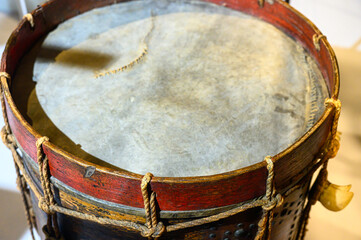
43 205
7 138
273 203
154 232
159 230
334 102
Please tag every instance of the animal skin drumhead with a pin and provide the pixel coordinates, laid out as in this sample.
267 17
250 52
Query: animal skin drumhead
176 88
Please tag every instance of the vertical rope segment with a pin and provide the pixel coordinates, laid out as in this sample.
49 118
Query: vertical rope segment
155 229
52 229
330 151
272 199
6 121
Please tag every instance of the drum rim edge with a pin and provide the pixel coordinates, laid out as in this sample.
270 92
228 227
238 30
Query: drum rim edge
194 179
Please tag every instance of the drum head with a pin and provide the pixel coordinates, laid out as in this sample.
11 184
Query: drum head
176 88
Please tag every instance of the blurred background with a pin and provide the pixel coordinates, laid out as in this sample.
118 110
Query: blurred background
340 21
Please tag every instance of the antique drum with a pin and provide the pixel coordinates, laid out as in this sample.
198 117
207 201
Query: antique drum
171 119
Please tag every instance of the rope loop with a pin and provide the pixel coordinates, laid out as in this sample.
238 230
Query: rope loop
30 19
273 203
334 102
43 205
7 138
5 75
154 228
40 141
154 232
316 40
144 188
269 186
146 180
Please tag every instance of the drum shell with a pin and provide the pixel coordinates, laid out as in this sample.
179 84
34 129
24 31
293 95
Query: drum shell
241 226
193 194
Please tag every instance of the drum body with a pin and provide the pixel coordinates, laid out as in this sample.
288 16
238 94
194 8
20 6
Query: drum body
105 193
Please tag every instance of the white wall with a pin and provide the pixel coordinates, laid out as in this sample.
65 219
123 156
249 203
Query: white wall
339 20
13 7
8 6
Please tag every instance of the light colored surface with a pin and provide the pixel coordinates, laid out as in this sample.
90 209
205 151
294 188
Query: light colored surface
7 25
18 8
344 169
12 220
218 90
340 21
8 7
